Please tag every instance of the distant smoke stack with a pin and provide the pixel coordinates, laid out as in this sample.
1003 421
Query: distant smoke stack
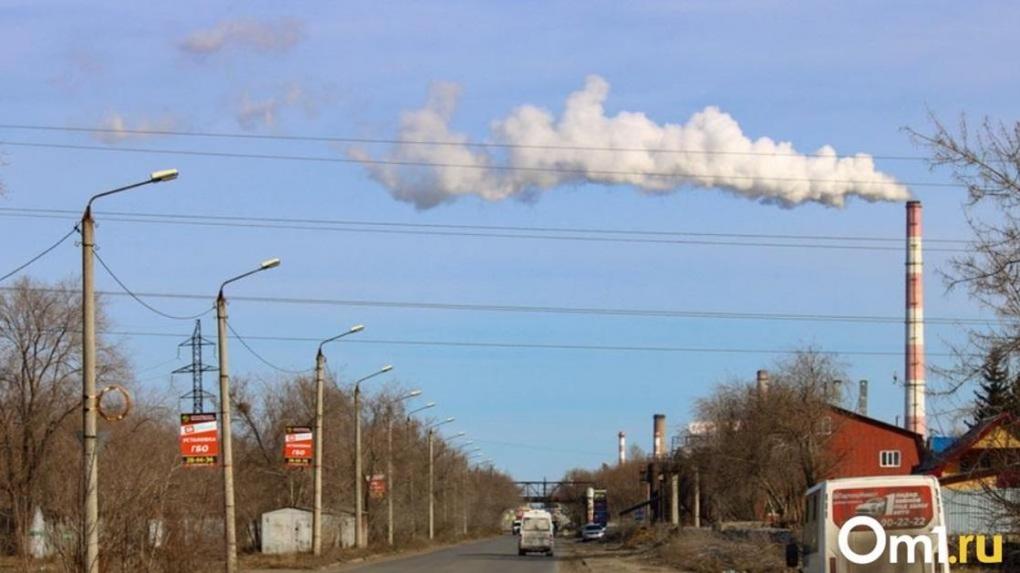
659 436
914 415
762 381
862 398
622 448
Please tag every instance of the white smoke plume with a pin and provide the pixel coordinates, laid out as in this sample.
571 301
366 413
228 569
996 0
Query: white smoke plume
531 151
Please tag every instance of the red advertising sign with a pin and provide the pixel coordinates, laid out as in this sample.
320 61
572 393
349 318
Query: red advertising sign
297 447
901 507
376 486
199 439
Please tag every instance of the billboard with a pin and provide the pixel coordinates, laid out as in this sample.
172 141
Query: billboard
900 507
600 503
297 447
199 440
376 486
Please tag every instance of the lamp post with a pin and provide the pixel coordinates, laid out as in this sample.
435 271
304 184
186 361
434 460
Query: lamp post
90 463
465 484
389 466
229 526
432 478
361 539
320 367
410 482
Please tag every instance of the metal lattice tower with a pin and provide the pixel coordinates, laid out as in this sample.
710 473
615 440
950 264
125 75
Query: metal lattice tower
197 368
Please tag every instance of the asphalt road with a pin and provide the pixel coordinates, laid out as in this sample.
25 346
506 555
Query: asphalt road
489 556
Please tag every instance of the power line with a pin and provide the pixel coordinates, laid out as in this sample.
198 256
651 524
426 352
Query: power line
259 357
42 254
197 221
567 310
506 228
137 299
495 167
422 142
542 346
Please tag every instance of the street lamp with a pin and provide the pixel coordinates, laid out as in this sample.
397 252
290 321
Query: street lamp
465 484
90 463
229 527
320 367
389 465
410 481
361 539
432 477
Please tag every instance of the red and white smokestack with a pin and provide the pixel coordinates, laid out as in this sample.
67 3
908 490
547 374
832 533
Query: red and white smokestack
914 418
622 453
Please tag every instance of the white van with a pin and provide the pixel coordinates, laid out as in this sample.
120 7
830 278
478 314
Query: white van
904 510
536 533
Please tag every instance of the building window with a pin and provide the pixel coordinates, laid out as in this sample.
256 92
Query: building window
826 426
889 458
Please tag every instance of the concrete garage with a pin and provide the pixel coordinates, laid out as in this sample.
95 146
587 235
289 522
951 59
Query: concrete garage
289 530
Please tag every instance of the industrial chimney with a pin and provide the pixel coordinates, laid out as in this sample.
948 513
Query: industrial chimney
914 418
622 448
659 434
762 380
862 398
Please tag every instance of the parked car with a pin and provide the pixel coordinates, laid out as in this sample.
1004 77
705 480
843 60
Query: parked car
593 531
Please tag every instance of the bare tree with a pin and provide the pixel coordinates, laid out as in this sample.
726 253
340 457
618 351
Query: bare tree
40 345
985 161
765 448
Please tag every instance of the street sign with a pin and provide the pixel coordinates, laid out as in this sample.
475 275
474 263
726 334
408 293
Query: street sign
376 486
199 440
297 447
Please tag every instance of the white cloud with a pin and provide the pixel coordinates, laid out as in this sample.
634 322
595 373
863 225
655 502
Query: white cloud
265 112
269 37
543 152
115 128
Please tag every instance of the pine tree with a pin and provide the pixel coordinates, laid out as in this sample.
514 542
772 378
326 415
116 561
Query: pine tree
996 392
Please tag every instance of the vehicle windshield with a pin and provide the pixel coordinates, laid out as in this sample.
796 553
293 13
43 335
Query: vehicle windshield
536 524
595 527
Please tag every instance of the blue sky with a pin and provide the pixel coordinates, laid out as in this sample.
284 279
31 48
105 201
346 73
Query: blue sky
850 75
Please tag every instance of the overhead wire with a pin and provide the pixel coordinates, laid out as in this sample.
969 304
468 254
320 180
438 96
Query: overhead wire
410 163
506 228
138 299
201 221
567 310
424 142
260 358
42 254
540 346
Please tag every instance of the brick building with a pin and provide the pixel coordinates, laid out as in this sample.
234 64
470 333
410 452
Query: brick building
863 446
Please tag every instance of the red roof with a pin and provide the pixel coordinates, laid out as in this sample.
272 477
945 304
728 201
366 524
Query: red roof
937 464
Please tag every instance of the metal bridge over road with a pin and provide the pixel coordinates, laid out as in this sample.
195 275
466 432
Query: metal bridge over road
553 491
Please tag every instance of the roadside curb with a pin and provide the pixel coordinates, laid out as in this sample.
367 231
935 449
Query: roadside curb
341 566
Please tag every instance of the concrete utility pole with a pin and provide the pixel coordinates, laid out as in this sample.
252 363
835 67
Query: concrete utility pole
360 533
320 374
90 463
432 478
432 491
410 477
226 448
389 466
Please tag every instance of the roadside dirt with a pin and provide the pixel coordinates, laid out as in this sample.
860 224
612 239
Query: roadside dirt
608 558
